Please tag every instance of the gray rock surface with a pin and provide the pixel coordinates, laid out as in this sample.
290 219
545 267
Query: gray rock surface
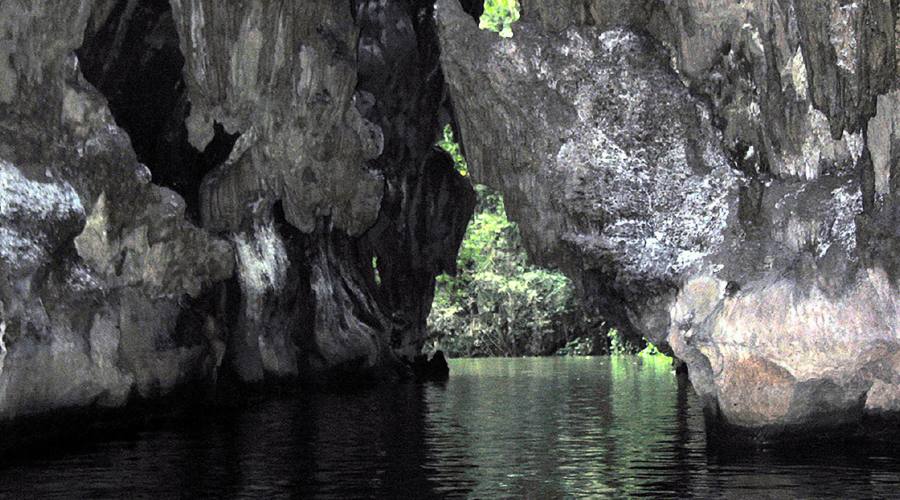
337 113
719 173
194 193
94 259
284 77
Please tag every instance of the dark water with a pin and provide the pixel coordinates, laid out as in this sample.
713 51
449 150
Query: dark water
542 428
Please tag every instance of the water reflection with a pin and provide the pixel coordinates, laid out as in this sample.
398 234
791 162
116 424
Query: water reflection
555 426
525 427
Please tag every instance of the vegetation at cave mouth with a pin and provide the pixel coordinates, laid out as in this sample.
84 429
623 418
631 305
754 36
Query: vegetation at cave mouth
499 16
498 304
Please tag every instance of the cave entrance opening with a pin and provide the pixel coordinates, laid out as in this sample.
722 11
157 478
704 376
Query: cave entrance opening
131 54
498 303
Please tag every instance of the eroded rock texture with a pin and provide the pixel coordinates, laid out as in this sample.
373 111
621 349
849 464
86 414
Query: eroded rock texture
337 115
96 259
719 176
194 190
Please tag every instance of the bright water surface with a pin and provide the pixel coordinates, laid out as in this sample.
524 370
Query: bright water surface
542 428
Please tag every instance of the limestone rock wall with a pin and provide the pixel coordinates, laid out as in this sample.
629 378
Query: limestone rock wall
719 173
94 259
194 193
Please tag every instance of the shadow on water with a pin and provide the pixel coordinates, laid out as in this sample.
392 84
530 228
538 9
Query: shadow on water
359 444
548 427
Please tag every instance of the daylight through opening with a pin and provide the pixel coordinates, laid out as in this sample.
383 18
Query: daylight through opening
499 304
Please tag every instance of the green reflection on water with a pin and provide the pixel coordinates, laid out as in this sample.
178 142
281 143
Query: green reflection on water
554 426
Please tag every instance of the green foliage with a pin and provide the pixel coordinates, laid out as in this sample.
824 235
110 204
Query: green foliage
617 343
499 15
498 304
449 144
375 270
651 351
581 346
613 343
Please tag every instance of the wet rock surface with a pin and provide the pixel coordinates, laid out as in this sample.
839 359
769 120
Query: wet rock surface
709 169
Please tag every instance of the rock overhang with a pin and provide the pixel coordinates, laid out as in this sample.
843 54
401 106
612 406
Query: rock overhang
719 197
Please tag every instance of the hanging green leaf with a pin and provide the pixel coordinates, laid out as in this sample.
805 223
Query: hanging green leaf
448 143
499 16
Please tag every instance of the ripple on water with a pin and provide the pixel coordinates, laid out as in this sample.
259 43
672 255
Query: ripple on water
537 427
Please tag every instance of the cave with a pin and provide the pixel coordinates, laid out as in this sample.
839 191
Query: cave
201 203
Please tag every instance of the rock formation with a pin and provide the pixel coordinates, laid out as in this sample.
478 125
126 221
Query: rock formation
721 174
195 191
191 191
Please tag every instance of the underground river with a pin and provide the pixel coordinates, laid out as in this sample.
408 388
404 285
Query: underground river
537 427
